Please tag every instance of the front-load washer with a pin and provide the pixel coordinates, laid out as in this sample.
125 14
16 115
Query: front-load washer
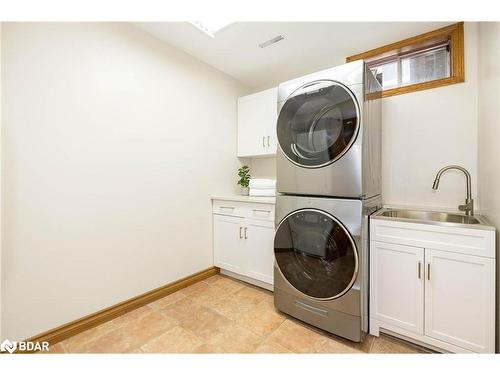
321 262
329 133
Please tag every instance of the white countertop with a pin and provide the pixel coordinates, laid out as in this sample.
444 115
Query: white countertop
244 198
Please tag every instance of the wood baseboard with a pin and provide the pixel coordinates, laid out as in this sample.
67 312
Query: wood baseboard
75 327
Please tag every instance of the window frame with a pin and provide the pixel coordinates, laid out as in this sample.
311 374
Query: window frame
455 34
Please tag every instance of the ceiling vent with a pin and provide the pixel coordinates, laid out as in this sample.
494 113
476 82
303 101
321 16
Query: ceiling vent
267 43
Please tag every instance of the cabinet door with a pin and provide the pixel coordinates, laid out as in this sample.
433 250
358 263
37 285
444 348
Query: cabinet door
460 300
397 285
257 123
260 249
271 115
229 251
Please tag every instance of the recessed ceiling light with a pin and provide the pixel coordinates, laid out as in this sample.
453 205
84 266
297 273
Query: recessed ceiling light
210 27
267 43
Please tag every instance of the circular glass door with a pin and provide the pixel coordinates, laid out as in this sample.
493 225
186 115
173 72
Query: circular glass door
318 125
316 254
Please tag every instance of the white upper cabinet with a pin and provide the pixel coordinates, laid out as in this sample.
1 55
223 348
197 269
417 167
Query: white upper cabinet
257 114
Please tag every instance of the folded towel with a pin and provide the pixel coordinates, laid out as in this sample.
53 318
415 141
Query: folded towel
253 192
262 183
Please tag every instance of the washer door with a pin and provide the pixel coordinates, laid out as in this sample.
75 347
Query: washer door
316 254
318 124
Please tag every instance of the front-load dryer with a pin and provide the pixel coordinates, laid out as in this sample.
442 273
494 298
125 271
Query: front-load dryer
321 262
329 133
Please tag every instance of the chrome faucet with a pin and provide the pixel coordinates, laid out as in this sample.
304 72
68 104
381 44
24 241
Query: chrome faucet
468 207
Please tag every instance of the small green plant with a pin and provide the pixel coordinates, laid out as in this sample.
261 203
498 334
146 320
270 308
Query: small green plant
244 174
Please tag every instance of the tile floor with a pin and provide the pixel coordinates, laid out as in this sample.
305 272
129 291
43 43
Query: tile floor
218 315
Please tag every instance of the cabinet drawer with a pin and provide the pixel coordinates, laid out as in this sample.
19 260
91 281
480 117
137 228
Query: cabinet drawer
253 210
455 239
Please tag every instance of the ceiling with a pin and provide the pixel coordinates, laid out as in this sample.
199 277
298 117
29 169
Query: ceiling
307 47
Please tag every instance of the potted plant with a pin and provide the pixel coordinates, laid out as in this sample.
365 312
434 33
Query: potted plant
244 175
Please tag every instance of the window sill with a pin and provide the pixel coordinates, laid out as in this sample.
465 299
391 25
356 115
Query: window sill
421 86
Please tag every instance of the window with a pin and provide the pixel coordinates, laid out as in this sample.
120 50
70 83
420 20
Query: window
426 61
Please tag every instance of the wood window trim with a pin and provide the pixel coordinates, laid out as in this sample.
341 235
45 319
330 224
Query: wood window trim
454 32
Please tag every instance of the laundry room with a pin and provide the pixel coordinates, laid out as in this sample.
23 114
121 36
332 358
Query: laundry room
188 187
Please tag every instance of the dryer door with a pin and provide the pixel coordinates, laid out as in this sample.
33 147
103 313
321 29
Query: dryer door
316 254
318 124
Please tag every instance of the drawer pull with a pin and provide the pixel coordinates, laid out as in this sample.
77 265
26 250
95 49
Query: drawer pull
268 143
265 211
246 233
240 233
419 270
428 271
264 141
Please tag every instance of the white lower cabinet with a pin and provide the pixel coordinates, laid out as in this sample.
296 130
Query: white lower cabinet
434 294
259 250
228 234
397 285
459 299
244 244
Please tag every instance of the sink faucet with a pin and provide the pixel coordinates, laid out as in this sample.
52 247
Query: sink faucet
468 207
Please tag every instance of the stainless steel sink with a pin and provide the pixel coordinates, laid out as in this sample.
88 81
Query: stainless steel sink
431 217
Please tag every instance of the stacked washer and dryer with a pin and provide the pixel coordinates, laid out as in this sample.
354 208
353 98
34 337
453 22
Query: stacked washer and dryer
329 182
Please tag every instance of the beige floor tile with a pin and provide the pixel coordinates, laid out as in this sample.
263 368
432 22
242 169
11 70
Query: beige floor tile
385 344
208 295
295 337
55 349
132 315
113 342
205 323
181 310
329 345
228 285
233 306
252 296
150 326
205 349
176 340
192 288
270 347
74 343
234 339
214 279
261 319
167 300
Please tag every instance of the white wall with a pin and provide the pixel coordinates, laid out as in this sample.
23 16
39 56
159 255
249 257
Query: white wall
261 167
489 132
426 130
112 144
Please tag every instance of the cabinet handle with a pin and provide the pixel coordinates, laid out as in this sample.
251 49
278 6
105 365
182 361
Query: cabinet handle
226 208
268 143
246 233
240 233
264 141
428 271
419 270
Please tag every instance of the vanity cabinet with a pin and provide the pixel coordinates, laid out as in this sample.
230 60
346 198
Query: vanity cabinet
433 284
257 115
243 240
